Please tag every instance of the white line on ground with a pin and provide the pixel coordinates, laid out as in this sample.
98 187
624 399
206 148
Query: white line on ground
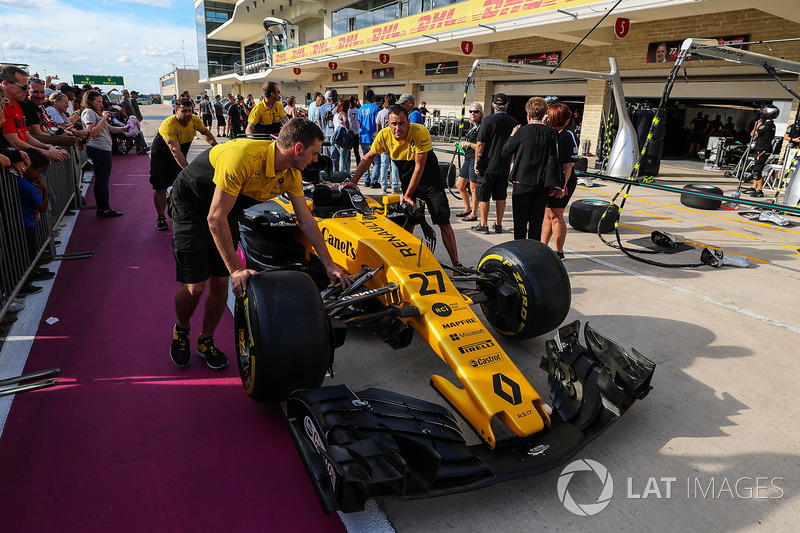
697 295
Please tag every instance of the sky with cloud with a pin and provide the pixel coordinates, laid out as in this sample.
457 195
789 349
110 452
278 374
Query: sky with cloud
139 40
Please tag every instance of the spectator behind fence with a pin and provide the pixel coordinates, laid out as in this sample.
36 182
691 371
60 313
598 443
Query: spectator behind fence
39 123
99 149
554 224
10 156
34 199
14 81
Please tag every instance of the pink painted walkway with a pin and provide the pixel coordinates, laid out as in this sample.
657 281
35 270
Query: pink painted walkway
129 442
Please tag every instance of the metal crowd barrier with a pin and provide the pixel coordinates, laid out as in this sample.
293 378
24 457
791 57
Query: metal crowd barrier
16 260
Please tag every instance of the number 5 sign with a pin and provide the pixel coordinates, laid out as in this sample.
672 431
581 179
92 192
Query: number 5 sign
621 27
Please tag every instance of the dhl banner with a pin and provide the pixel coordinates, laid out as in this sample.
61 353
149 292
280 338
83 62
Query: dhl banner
462 15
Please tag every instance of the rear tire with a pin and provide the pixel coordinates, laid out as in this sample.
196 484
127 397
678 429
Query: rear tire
585 215
533 294
699 202
282 335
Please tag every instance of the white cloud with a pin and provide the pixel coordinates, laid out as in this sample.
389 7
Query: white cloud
154 3
38 5
29 47
160 51
106 44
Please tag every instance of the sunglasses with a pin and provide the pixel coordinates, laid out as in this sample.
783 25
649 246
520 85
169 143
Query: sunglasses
473 111
23 86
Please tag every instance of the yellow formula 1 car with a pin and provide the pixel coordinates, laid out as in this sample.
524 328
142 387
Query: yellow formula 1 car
358 445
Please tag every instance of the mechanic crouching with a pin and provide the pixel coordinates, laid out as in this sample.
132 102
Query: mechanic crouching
208 197
409 146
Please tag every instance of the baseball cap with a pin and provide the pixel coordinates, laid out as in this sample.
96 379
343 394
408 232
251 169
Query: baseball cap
405 97
239 96
327 95
500 99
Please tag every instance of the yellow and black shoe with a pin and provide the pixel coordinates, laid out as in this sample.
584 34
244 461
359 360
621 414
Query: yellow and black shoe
179 352
161 224
207 350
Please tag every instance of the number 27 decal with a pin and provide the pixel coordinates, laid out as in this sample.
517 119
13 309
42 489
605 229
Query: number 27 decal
426 277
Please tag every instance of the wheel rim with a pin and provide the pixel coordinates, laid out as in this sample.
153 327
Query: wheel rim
243 342
595 202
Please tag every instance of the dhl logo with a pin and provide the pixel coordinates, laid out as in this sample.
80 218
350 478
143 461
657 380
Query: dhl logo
389 31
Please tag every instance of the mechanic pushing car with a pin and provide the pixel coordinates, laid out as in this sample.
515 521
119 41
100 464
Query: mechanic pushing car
409 146
207 200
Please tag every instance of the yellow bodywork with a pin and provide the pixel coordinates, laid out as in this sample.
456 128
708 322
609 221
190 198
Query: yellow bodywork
490 383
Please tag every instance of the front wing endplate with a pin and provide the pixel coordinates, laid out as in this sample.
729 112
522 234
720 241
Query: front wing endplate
356 446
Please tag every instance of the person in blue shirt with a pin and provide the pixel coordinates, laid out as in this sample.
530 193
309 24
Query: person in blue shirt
367 117
414 116
34 198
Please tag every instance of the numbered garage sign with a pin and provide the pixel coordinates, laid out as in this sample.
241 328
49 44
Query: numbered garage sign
622 27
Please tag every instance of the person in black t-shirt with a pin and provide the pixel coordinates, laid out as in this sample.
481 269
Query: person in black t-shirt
531 145
491 164
554 224
764 131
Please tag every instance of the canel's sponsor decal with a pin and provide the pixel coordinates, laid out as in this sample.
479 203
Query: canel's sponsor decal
459 336
441 309
476 346
403 247
457 323
343 245
313 434
486 360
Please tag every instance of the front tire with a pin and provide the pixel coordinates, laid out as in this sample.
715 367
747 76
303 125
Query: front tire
532 294
282 335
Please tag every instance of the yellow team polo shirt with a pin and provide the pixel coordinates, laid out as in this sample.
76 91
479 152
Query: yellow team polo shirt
417 142
261 114
172 130
247 166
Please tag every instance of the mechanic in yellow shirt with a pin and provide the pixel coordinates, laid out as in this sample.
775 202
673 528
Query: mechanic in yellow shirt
268 115
409 147
208 198
168 154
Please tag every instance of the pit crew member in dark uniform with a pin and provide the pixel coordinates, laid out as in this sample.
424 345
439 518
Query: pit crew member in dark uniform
268 115
168 154
764 130
207 199
409 147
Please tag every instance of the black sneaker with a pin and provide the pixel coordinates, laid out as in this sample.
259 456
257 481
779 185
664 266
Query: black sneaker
757 194
207 350
108 213
179 352
41 274
560 255
749 190
481 229
161 224
376 185
497 228
29 289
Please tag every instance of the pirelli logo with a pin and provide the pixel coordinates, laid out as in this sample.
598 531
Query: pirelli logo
476 346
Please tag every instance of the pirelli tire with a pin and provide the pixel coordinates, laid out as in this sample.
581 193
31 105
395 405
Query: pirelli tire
531 293
700 202
282 335
586 215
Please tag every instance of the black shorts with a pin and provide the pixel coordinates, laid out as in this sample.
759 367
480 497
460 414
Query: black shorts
220 121
196 255
162 175
207 120
561 203
436 200
492 187
467 171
